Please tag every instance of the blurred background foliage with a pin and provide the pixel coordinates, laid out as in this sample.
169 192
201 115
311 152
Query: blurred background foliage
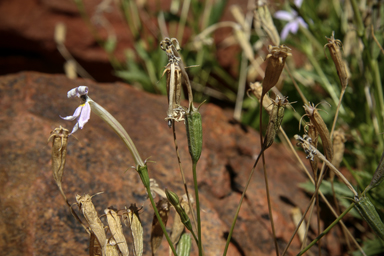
358 24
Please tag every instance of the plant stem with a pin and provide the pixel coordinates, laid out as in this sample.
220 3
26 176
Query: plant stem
194 163
160 221
326 230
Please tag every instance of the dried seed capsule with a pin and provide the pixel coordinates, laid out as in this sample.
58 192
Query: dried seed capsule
175 112
88 209
174 200
184 246
275 120
157 232
321 127
378 176
334 49
193 124
338 147
275 64
368 211
314 135
59 153
131 218
116 229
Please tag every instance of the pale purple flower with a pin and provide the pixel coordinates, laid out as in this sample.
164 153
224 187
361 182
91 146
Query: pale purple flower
83 112
294 21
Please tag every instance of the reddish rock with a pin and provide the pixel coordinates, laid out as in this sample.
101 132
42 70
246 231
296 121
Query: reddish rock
27 29
34 219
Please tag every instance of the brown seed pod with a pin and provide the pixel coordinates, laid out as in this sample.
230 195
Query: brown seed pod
338 147
157 232
334 49
275 64
94 246
90 214
116 229
131 218
275 119
321 127
314 135
59 152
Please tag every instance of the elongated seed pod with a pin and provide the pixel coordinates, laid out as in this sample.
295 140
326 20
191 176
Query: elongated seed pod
321 127
174 200
275 120
314 135
88 209
116 229
59 153
334 49
184 246
368 211
378 176
193 124
275 64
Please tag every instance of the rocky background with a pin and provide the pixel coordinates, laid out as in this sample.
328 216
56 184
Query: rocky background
34 219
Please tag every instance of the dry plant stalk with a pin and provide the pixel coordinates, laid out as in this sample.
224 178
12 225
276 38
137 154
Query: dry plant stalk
334 49
131 218
94 246
312 152
275 119
264 20
116 229
88 209
321 127
257 89
156 232
296 217
59 152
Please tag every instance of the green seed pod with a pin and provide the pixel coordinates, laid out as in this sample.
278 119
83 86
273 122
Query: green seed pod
275 120
193 124
184 246
368 211
174 200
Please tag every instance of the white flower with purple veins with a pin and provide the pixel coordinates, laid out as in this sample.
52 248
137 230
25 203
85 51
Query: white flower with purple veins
83 112
294 21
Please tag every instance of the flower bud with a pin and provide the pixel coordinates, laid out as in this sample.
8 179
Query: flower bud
174 200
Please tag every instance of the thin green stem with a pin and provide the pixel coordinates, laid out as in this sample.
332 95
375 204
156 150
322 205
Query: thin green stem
326 230
160 221
197 208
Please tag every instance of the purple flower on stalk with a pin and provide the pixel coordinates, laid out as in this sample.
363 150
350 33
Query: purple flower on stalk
294 21
83 112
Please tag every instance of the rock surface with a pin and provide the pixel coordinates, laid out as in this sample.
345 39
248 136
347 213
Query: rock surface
27 29
34 219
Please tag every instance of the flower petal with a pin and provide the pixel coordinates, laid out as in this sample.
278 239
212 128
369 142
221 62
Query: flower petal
301 22
294 26
298 3
283 15
75 115
285 31
78 91
75 128
85 115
